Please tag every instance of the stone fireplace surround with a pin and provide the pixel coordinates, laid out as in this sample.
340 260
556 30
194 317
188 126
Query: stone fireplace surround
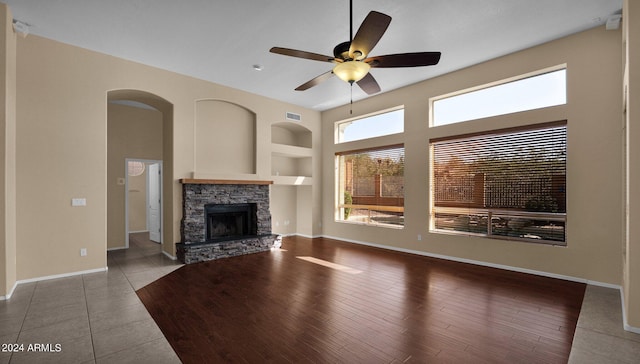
196 193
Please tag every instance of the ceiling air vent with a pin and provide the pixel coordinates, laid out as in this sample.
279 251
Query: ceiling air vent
294 116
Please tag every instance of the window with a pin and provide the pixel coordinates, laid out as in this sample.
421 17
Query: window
135 168
371 186
508 184
386 123
542 90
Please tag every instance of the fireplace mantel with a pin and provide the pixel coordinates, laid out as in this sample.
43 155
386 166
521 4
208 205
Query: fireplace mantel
199 181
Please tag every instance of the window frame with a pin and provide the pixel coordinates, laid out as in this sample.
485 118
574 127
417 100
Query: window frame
497 212
338 124
340 205
432 100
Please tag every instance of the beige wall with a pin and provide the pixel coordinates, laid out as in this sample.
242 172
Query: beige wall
62 148
225 139
631 257
134 133
284 215
594 205
7 152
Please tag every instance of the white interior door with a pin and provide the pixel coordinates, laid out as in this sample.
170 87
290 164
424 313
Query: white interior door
154 202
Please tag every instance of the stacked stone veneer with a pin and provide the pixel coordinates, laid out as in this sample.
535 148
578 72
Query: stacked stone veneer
194 248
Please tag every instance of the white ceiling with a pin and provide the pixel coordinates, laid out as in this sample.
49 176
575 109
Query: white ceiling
221 40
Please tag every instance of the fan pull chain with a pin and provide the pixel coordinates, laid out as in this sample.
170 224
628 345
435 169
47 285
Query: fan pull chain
351 104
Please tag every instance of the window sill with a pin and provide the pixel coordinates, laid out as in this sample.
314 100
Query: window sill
500 237
388 226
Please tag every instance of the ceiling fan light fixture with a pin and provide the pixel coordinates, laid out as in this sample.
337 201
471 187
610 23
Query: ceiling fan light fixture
351 71
352 64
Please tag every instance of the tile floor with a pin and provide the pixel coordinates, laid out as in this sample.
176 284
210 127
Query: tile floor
98 318
600 337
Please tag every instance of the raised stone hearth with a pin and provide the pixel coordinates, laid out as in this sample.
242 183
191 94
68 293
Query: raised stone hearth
202 252
199 240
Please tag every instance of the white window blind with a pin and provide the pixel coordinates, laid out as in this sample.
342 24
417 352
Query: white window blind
371 186
509 183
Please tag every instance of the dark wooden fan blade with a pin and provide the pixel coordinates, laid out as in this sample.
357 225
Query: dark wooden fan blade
301 54
369 84
417 59
323 77
369 33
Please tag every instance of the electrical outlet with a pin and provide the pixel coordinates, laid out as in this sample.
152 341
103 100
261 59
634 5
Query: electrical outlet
83 252
419 237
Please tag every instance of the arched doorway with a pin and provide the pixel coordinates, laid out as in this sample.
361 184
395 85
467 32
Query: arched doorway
139 127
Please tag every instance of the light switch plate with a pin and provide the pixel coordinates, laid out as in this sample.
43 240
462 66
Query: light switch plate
78 202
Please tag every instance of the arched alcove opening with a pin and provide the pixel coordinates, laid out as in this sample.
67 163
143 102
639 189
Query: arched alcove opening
139 129
289 133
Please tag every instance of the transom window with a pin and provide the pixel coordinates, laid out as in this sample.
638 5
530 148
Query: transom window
533 92
381 124
508 184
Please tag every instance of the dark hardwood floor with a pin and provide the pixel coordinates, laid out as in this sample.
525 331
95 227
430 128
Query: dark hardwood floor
347 303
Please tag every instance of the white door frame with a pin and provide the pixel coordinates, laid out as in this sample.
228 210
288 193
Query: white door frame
126 195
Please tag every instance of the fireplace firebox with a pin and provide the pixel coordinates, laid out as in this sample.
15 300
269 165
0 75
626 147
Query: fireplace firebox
230 221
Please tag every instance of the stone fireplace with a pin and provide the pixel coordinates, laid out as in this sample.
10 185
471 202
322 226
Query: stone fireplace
224 218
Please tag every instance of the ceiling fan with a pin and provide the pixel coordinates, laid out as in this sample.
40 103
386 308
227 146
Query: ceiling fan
352 64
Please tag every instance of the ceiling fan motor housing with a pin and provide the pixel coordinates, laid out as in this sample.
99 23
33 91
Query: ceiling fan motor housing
341 51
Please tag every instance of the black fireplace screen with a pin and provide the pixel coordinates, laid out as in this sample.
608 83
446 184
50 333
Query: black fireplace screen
225 221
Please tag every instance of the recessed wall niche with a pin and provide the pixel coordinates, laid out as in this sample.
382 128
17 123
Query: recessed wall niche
291 154
290 134
225 137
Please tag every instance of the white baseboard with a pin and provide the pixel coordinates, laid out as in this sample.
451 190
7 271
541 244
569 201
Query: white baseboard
172 257
625 323
3 298
302 235
55 276
627 327
477 262
635 330
63 275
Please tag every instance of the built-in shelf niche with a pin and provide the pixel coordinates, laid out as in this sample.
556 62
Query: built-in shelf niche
291 154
